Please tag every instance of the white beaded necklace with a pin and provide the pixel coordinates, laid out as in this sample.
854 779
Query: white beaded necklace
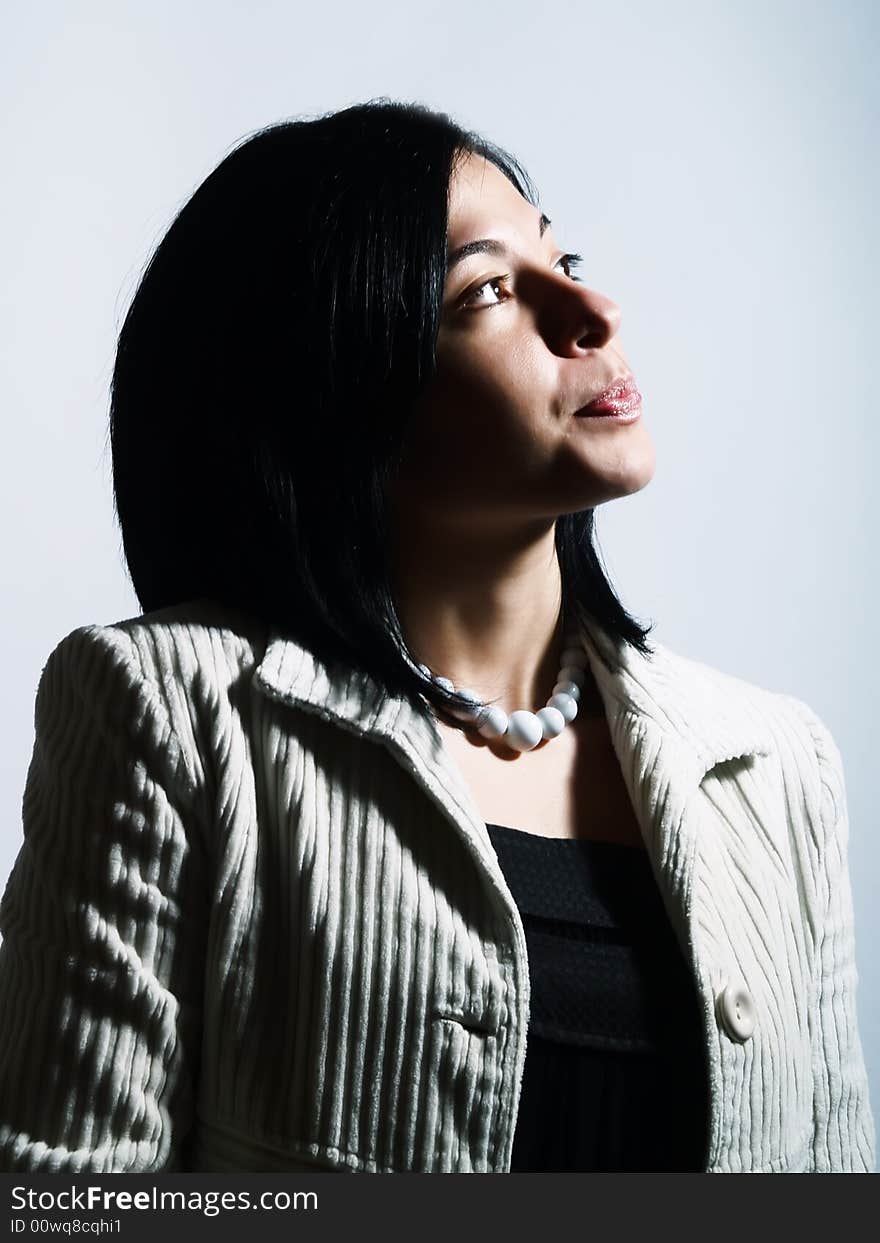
522 730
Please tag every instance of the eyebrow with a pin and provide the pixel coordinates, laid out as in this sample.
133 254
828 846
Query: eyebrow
488 245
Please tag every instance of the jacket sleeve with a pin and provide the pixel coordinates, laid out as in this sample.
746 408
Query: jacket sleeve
843 1123
103 923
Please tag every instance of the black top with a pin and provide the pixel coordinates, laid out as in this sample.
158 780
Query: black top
615 1071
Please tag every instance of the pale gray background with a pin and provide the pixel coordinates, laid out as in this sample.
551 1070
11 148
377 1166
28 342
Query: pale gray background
716 165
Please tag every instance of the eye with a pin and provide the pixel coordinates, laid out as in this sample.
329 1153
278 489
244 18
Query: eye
571 262
496 280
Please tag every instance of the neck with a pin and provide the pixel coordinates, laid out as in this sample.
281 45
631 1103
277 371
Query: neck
483 611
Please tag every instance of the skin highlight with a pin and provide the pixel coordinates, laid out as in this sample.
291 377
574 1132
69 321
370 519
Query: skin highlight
494 452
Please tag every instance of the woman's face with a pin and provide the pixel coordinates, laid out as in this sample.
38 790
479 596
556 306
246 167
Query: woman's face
521 347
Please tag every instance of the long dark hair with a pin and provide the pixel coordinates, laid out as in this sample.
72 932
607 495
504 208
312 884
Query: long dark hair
265 371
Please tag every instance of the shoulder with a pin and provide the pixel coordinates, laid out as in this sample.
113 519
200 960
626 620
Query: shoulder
797 738
163 681
198 639
778 710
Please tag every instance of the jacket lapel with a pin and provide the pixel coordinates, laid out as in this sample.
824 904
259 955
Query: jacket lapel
671 720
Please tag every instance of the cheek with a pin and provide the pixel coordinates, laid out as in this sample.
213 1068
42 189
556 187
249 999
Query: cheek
492 399
485 428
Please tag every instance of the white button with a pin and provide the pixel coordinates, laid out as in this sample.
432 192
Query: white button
736 1010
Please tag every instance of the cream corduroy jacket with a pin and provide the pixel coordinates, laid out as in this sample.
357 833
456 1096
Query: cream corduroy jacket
257 922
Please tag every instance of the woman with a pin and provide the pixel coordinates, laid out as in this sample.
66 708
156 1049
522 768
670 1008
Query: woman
287 902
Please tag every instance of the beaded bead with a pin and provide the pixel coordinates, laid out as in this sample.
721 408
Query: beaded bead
524 730
552 721
494 724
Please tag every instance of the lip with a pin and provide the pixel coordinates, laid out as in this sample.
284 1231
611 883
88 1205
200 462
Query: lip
620 400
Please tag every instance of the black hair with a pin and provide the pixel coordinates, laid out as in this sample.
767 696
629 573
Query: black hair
265 370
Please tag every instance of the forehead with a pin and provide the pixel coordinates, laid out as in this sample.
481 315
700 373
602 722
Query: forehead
480 196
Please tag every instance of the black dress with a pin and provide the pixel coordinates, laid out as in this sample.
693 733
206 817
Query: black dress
615 1071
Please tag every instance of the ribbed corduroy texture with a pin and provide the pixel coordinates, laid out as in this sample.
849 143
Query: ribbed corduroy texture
257 923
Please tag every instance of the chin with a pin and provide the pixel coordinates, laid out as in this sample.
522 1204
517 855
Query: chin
643 471
630 470
635 468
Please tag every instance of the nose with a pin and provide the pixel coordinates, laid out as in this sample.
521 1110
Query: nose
580 318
